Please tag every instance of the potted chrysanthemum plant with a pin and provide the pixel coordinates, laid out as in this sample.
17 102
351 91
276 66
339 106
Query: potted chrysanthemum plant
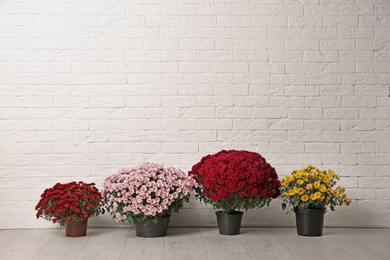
309 192
70 204
147 195
232 181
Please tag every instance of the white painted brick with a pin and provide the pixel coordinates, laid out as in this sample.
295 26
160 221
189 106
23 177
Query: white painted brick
356 33
285 33
53 113
356 56
357 124
122 113
383 194
382 56
340 113
359 102
270 21
174 9
232 67
250 56
198 112
199 21
181 124
382 170
279 10
152 21
108 148
304 21
215 33
377 136
336 44
341 21
106 125
323 101
272 44
338 67
250 124
275 113
231 89
34 125
214 56
285 56
262 67
288 79
212 124
171 112
142 10
384 78
138 124
303 68
319 33
231 21
305 113
199 136
287 102
242 101
12 148
340 136
70 148
320 56
167 159
166 136
268 136
323 79
286 147
374 182
127 136
359 9
304 158
220 78
180 147
302 90
260 90
305 136
355 171
215 9
314 124
373 159
79 171
321 148
357 148
249 33
345 90
233 112
372 44
303 45
107 101
285 124
234 136
360 79
90 90
88 159
374 21
176 55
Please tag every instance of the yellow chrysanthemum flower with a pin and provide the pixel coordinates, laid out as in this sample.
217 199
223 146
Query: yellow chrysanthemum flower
316 184
323 188
299 182
291 192
300 191
309 186
313 196
305 198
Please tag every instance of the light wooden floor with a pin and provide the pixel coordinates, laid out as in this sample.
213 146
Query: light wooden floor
196 243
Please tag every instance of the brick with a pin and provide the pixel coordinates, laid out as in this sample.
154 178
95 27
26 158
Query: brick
319 33
199 21
285 33
288 79
340 136
341 21
382 170
233 112
320 56
215 9
359 9
304 22
322 148
303 158
357 148
305 135
281 10
286 147
258 124
302 45
322 125
356 33
198 136
232 21
180 147
285 56
305 113
216 33
356 171
214 124
333 44
144 147
373 159
360 79
302 90
198 112
234 136
71 148
287 102
171 112
358 124
338 67
270 21
358 101
285 124
314 79
181 124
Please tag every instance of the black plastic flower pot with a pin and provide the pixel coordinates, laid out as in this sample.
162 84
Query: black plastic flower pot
147 228
310 222
229 224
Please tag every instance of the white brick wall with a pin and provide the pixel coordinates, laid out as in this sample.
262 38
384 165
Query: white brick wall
88 87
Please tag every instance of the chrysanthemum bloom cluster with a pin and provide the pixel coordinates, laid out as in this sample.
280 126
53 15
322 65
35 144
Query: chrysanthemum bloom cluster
312 188
148 191
233 180
70 201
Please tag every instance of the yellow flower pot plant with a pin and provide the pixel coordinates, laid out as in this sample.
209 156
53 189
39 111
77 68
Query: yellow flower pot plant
309 192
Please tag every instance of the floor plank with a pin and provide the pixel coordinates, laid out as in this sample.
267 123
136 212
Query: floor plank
184 243
105 243
143 248
374 240
221 247
7 236
260 244
301 247
63 247
27 244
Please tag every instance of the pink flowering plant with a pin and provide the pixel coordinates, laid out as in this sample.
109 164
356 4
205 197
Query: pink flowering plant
147 191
